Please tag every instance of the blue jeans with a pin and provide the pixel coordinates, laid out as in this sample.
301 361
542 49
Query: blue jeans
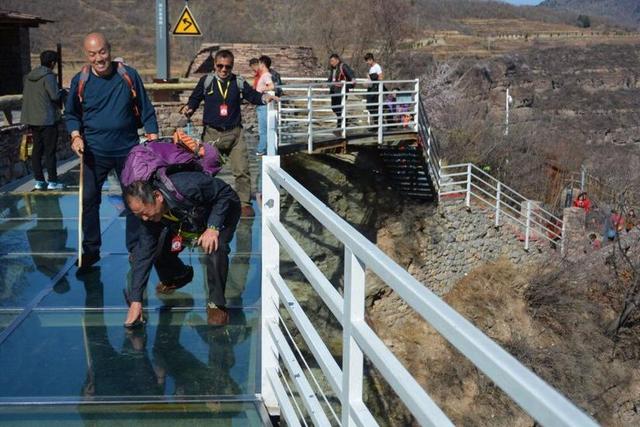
261 111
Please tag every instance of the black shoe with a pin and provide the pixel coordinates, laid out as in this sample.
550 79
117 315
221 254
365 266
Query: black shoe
88 260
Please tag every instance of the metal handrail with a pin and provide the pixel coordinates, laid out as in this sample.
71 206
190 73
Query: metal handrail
502 198
536 397
304 111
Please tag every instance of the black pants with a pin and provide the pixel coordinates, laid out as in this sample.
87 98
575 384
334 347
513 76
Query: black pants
96 170
169 265
45 141
336 106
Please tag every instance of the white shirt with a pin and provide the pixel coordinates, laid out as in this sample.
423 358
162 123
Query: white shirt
265 79
375 69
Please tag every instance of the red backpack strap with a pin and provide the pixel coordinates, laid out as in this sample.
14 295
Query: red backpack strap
341 75
84 76
122 71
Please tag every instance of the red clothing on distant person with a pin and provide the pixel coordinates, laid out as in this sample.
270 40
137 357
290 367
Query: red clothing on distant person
256 78
582 203
617 221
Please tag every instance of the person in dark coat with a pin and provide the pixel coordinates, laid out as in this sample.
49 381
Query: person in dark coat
41 101
206 215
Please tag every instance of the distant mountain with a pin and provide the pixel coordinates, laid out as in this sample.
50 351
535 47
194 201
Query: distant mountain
624 12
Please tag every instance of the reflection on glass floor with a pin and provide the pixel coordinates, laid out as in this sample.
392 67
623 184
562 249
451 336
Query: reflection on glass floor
66 358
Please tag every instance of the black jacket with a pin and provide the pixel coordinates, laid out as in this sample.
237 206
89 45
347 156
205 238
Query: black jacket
341 72
209 202
213 99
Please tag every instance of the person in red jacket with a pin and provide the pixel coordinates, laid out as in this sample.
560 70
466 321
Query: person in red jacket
583 202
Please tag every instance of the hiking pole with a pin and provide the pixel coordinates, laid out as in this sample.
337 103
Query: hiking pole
80 192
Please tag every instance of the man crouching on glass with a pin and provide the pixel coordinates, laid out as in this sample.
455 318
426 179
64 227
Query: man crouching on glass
201 210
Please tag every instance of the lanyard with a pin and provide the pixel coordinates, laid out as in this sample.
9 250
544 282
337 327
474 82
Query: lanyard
226 91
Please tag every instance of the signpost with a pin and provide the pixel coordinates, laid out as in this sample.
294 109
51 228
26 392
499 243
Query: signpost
162 42
186 24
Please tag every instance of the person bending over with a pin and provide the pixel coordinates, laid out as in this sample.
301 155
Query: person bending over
206 214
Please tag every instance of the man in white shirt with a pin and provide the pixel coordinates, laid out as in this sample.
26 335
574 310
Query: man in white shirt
375 73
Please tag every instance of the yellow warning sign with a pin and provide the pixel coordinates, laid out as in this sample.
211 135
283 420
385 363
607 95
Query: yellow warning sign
186 25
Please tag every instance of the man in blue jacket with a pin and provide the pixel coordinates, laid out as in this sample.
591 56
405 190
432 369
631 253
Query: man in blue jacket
206 215
106 105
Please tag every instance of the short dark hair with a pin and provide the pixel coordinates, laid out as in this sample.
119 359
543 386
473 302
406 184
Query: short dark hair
142 190
335 55
265 60
369 56
48 58
253 61
224 53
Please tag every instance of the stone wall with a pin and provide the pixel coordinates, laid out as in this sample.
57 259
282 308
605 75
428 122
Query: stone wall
11 168
169 117
288 60
459 239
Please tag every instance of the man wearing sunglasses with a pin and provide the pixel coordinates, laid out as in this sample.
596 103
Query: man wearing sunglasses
222 95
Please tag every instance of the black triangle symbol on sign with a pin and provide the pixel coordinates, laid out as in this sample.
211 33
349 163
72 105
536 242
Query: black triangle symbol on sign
186 24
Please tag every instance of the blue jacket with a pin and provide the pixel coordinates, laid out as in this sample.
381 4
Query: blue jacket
105 118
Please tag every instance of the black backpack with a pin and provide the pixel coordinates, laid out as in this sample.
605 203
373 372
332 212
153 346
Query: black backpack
277 81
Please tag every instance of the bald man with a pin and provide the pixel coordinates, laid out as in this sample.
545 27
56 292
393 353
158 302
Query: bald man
107 104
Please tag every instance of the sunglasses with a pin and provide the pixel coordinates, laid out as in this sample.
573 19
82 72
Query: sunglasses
224 66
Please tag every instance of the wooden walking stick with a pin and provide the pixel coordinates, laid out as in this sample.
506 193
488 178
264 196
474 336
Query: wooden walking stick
80 191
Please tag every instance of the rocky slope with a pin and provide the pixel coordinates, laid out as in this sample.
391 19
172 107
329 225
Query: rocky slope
572 105
551 315
625 12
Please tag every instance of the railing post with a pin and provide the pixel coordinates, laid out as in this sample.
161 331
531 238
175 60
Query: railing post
498 194
527 230
417 104
309 120
468 198
583 172
380 111
343 103
353 312
270 262
272 128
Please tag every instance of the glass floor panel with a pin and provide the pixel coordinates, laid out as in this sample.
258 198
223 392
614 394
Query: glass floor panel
46 236
22 277
67 360
103 286
209 414
53 206
84 354
7 316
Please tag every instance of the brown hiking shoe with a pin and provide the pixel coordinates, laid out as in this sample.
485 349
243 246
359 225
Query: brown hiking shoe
247 211
177 283
217 316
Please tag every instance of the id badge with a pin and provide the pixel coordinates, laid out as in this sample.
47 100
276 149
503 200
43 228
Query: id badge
224 110
176 243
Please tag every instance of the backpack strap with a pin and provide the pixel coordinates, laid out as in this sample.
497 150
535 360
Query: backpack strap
122 71
208 81
84 76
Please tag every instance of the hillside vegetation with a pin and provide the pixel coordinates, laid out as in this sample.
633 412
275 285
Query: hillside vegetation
625 12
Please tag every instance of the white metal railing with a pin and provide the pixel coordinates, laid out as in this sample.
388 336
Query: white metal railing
279 362
475 185
312 109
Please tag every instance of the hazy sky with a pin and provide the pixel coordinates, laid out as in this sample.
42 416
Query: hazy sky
524 1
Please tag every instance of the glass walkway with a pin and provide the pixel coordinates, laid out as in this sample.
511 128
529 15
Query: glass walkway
65 358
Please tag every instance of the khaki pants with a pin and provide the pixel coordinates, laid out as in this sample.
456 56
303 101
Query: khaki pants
232 144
